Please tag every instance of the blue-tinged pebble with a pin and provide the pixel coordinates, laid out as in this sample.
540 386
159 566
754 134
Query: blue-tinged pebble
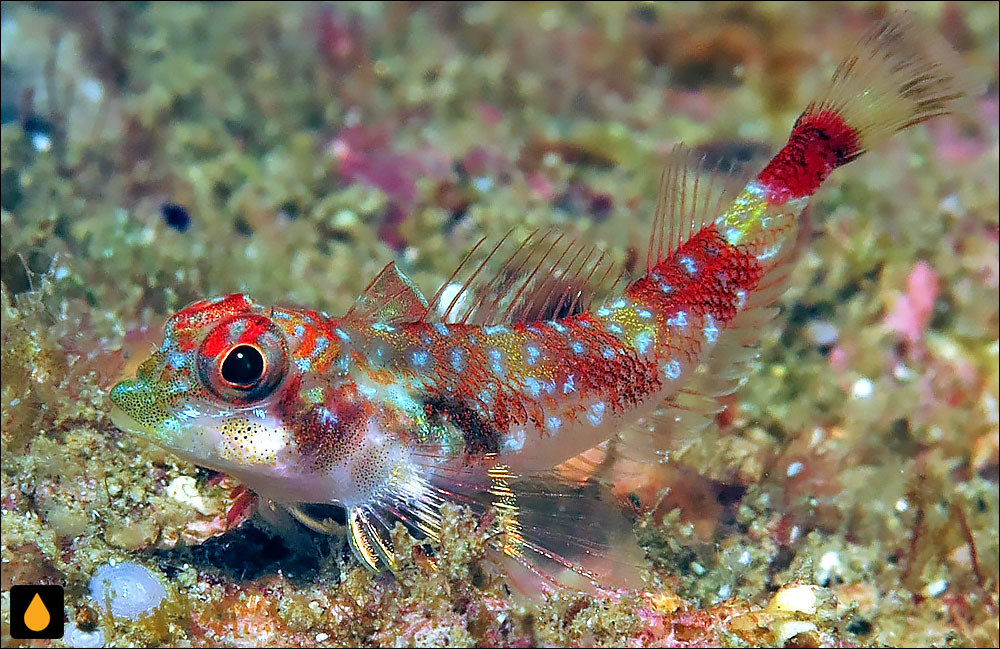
79 639
128 590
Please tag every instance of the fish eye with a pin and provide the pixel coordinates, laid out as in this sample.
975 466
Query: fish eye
243 366
243 360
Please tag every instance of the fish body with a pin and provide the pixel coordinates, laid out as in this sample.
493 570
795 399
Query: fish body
480 396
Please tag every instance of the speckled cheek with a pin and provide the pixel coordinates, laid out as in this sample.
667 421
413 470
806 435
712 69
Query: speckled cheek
248 441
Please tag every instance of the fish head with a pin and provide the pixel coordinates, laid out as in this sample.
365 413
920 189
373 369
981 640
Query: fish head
212 392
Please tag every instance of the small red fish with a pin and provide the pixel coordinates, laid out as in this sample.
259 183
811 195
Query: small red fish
490 394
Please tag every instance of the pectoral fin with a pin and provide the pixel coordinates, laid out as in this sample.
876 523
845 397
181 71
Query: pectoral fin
370 539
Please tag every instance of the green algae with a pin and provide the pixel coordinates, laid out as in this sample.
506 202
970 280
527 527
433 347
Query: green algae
232 113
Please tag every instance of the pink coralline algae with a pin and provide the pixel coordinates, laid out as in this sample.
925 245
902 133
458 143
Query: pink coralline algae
364 155
912 311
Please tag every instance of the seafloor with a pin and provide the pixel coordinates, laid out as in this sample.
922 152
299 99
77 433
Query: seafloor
153 154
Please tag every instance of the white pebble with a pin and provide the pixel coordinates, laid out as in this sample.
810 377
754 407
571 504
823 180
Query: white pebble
794 469
796 598
128 589
788 629
951 205
936 588
863 388
184 489
77 638
91 89
41 142
822 333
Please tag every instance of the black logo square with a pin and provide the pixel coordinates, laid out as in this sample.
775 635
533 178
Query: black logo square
36 612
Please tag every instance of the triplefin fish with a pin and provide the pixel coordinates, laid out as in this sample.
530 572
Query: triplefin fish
487 395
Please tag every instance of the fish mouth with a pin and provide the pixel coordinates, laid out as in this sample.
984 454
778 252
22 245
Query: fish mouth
137 409
126 422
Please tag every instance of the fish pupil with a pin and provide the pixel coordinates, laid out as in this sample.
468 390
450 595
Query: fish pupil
243 366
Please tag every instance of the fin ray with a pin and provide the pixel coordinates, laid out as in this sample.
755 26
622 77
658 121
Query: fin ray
554 531
543 275
692 194
899 74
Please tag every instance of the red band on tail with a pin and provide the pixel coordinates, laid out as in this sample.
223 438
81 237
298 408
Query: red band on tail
819 143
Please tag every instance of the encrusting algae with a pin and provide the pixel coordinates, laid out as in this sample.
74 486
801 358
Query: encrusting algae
759 525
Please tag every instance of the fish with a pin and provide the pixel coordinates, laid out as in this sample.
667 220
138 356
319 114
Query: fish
508 391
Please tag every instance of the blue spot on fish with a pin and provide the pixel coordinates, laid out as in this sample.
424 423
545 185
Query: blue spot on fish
420 358
553 423
679 320
495 362
569 386
689 265
596 413
672 369
441 328
342 335
577 347
642 341
711 331
533 354
458 359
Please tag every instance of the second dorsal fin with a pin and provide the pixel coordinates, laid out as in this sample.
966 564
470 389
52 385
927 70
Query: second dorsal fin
389 298
540 275
693 193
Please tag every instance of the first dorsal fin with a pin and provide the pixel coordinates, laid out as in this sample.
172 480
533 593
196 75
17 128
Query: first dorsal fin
693 194
543 274
389 298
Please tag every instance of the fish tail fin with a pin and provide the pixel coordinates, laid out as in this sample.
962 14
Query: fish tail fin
900 73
